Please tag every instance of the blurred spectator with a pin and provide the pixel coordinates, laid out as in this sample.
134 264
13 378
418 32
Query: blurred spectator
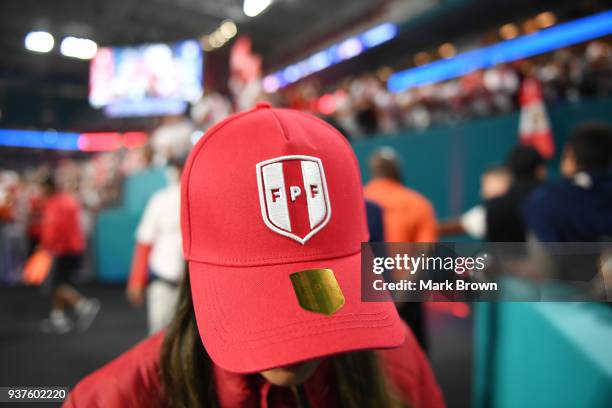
578 208
171 139
11 252
8 186
407 217
494 182
62 237
211 109
158 256
504 220
35 211
375 221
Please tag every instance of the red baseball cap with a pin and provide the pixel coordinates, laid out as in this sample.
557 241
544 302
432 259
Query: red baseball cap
268 196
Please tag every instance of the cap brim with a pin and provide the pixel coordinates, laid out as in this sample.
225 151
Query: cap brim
250 320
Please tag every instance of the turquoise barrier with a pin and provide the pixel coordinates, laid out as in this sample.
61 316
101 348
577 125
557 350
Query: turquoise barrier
543 355
115 228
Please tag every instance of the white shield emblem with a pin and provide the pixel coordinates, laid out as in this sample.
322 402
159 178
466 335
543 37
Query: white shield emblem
293 196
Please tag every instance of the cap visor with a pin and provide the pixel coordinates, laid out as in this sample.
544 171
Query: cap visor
250 320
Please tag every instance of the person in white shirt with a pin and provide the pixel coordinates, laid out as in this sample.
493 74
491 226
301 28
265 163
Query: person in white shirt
158 265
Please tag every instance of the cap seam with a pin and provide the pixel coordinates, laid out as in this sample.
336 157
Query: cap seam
279 123
292 259
309 332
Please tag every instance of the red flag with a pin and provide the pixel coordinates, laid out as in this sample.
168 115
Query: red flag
534 126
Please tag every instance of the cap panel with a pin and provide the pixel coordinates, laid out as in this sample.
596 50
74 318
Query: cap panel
252 218
185 213
223 205
253 333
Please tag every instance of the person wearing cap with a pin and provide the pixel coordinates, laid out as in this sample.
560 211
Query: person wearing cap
158 264
270 313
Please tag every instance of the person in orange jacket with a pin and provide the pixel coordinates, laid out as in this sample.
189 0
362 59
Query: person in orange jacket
408 217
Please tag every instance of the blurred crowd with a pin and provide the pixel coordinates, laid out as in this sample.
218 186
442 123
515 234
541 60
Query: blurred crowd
362 106
359 107
95 182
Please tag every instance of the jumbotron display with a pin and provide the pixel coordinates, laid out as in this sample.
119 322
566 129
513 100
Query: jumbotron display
151 79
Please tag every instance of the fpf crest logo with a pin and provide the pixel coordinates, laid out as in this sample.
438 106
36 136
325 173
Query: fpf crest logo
293 196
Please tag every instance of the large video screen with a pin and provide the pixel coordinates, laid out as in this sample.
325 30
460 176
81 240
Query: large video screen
144 80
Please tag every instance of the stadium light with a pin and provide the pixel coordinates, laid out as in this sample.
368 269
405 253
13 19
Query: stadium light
253 8
39 41
81 48
228 29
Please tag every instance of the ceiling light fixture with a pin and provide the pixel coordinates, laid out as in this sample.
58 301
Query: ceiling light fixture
447 50
253 8
81 48
228 29
546 19
508 31
39 41
225 32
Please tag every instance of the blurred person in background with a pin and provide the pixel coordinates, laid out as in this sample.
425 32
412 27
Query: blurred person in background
494 182
36 204
211 109
158 265
172 138
62 236
9 182
504 218
10 234
408 217
374 217
579 207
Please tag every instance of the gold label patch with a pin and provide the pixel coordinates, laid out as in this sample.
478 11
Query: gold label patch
317 291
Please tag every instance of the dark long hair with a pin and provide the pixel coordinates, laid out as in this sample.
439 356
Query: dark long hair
187 375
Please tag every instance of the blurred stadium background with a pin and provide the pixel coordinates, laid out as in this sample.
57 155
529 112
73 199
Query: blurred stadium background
103 94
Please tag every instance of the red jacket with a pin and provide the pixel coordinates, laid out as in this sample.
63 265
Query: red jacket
61 231
132 380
